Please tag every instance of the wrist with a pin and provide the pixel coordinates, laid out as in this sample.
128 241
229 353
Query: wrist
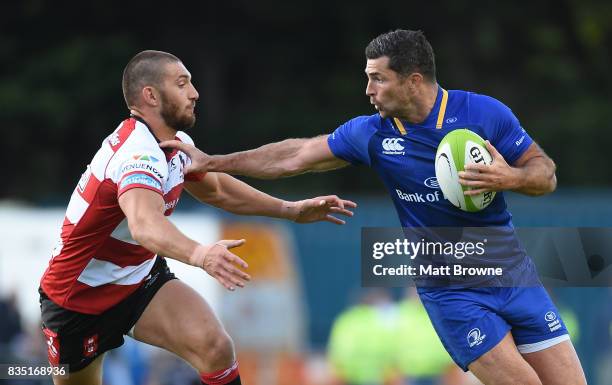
218 163
198 255
289 210
517 179
213 163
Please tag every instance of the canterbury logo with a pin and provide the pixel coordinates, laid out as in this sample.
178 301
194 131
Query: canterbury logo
392 144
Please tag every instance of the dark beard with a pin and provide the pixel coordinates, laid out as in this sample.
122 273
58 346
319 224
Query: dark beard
170 114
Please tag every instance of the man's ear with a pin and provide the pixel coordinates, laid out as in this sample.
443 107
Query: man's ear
150 96
413 81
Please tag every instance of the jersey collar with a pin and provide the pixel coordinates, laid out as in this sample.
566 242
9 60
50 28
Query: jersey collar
435 117
169 152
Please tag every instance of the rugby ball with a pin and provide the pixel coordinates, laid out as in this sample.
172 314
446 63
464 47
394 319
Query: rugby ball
458 148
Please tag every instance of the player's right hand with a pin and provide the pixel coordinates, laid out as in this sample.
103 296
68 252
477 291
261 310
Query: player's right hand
221 264
199 160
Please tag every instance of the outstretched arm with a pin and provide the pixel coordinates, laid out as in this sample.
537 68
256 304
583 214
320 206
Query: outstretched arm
281 159
228 193
532 174
151 229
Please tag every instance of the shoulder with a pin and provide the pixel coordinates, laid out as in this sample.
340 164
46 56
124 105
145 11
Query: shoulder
137 150
365 124
141 141
373 121
183 137
487 106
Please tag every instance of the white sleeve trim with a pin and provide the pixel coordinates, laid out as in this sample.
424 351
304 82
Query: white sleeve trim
537 346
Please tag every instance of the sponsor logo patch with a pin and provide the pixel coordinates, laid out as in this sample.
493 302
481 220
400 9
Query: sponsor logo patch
431 182
415 197
90 346
114 139
141 166
53 347
552 321
142 179
475 337
145 157
393 146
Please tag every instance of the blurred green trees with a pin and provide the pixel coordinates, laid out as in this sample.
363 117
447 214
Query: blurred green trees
270 71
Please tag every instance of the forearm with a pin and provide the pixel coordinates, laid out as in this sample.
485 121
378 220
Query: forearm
159 235
271 161
536 177
230 194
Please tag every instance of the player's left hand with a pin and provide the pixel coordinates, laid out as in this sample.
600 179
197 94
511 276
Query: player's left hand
497 176
321 209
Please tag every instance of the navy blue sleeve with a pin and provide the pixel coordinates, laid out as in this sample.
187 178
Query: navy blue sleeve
503 128
350 141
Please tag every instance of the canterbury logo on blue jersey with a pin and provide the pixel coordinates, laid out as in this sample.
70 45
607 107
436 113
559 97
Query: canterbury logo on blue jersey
393 146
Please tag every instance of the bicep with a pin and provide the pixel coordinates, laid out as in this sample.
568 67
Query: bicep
205 188
315 155
532 152
139 203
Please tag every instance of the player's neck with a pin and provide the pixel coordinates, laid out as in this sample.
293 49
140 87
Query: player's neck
157 125
421 104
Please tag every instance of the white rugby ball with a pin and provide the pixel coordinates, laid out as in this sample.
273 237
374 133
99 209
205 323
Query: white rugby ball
458 148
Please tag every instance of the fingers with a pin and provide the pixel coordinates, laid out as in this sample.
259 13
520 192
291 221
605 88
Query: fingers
231 243
339 210
492 150
177 144
473 182
476 191
233 277
223 265
470 174
332 219
334 200
474 167
228 274
233 258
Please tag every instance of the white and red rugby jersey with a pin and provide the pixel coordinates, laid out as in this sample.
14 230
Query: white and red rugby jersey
97 263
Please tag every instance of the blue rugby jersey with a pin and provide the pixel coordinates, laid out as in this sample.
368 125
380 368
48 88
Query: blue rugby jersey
403 155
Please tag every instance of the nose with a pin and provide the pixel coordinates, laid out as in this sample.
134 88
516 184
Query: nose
369 89
194 93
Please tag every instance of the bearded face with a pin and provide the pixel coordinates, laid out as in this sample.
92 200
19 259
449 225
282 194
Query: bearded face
179 117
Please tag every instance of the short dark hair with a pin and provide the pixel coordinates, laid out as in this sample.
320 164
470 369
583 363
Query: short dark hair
144 69
408 52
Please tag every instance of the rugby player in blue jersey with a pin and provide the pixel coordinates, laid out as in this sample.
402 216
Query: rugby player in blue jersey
504 335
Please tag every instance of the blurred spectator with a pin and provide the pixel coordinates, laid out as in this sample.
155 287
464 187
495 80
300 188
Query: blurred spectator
10 322
422 359
361 349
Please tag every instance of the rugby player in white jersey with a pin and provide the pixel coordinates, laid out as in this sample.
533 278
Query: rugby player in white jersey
108 276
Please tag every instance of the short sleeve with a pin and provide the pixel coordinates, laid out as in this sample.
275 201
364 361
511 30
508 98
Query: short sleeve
350 141
141 170
504 130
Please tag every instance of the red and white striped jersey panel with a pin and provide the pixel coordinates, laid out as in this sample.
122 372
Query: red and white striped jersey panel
97 263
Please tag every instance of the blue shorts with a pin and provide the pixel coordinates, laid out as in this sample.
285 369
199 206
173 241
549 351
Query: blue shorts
470 322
